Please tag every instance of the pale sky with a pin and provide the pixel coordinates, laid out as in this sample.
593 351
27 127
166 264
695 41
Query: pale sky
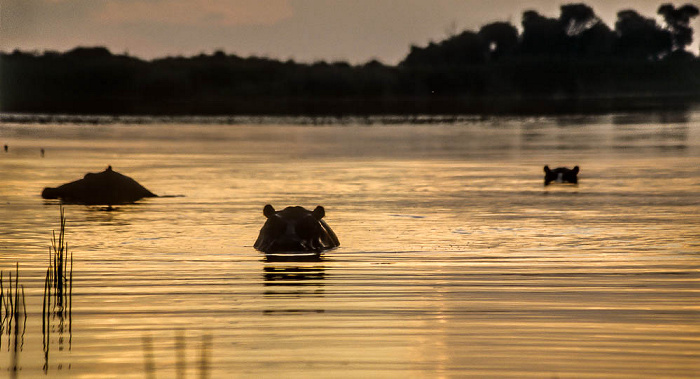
304 30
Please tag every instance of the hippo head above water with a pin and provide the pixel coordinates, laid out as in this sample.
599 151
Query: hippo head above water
295 230
104 188
560 175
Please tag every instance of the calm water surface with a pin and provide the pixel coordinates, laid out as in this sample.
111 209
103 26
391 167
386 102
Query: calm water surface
454 259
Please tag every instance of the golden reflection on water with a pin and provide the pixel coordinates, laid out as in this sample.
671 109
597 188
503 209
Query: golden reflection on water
454 259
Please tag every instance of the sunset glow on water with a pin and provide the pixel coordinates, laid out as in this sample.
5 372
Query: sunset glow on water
455 260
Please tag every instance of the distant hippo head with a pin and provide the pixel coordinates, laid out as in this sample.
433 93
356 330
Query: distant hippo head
104 188
560 175
295 229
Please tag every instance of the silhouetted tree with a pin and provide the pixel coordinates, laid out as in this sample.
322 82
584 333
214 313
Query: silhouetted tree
466 48
89 53
542 35
501 38
640 37
577 18
588 36
678 23
598 41
219 54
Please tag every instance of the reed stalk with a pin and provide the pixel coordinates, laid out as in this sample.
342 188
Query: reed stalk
11 314
3 306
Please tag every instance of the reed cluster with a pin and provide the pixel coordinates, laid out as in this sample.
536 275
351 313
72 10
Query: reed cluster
13 314
58 291
59 274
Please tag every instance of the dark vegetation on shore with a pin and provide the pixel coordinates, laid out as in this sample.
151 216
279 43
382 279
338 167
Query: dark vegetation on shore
572 63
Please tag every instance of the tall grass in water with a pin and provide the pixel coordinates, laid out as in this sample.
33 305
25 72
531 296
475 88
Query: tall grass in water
58 292
12 308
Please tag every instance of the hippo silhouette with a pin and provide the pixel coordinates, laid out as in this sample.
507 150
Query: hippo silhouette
105 188
560 175
295 230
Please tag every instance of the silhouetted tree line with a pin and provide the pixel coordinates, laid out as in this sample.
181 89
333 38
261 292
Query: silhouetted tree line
574 57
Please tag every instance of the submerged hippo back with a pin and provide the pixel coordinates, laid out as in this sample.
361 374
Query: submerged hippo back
106 188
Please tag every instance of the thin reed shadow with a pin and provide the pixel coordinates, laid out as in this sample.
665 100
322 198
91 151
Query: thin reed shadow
180 355
148 360
58 294
204 356
180 363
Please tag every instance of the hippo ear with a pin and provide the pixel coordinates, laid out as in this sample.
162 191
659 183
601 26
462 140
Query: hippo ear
575 170
268 211
546 169
319 212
